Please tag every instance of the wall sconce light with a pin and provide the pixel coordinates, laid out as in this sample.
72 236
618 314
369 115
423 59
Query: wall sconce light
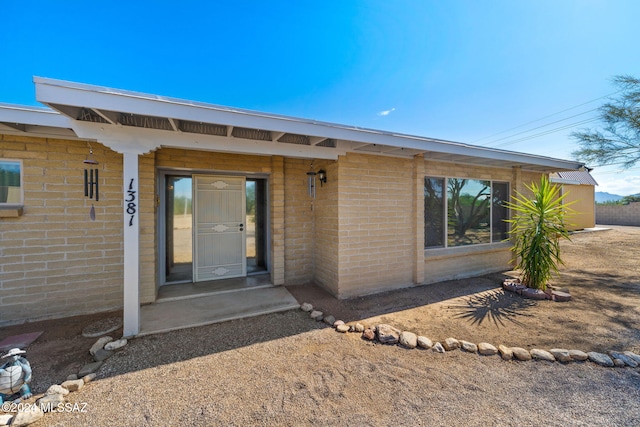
322 176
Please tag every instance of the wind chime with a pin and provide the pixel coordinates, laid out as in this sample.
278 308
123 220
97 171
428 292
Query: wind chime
91 181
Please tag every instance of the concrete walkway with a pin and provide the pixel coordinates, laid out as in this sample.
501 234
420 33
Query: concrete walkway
220 307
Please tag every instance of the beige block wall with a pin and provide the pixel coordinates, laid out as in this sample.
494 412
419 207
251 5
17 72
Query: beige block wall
299 224
56 261
326 247
584 206
376 224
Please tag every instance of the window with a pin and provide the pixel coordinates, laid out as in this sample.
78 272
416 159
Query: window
460 212
10 182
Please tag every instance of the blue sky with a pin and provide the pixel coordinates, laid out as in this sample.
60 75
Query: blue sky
457 70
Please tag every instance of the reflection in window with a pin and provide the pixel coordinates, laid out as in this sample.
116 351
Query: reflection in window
10 182
471 212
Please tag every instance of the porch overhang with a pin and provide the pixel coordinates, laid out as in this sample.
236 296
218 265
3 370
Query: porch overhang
128 121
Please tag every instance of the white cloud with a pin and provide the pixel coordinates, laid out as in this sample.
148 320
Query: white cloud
622 184
386 112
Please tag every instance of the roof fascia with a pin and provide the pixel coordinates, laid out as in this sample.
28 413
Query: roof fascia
50 91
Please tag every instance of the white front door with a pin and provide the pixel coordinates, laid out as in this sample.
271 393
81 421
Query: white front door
220 243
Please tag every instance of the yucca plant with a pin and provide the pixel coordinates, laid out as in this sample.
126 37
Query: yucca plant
537 226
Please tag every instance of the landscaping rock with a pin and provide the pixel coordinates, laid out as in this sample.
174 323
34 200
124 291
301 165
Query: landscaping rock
72 377
487 349
50 401
102 355
539 354
408 339
337 323
342 328
73 385
5 419
618 363
438 348
368 334
27 416
520 353
505 352
626 359
99 344
115 345
534 294
306 307
387 334
600 359
468 346
578 355
359 327
424 342
329 320
87 369
561 355
56 389
451 344
316 315
90 377
560 296
633 356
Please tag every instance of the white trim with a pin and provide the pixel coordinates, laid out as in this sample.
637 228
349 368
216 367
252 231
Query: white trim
58 92
131 241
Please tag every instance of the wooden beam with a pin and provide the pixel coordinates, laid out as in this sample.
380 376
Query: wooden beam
112 118
315 140
174 124
229 131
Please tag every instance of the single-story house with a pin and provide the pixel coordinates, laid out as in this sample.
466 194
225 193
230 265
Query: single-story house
108 197
579 189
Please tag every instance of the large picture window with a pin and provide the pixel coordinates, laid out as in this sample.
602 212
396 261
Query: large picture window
460 212
10 182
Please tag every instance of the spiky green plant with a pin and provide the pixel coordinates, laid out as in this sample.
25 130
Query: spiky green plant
537 226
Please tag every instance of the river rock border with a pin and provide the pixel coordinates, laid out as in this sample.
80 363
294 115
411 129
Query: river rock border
56 395
387 334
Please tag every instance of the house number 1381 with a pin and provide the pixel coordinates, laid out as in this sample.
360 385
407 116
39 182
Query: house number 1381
131 203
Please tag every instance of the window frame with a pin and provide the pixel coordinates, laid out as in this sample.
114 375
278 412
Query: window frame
445 198
20 203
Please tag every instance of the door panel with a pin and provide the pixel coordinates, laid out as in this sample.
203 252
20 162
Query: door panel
220 244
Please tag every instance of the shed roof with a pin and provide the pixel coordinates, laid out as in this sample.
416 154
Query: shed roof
574 177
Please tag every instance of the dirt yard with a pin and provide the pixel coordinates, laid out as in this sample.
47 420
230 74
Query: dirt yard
286 369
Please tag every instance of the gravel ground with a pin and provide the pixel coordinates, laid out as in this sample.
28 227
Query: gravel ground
286 369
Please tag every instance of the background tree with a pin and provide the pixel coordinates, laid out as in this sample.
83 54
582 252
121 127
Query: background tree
619 139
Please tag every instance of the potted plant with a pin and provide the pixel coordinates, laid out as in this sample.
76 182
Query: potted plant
537 226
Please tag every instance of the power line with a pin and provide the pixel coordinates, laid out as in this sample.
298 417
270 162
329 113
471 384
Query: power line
546 117
547 132
543 126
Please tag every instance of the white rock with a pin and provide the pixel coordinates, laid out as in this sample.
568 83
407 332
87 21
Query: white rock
561 355
521 354
468 346
57 389
451 344
73 385
89 377
306 307
424 342
408 339
487 349
505 352
632 355
539 354
626 359
99 344
5 419
115 345
27 416
438 348
578 355
359 327
342 328
316 315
